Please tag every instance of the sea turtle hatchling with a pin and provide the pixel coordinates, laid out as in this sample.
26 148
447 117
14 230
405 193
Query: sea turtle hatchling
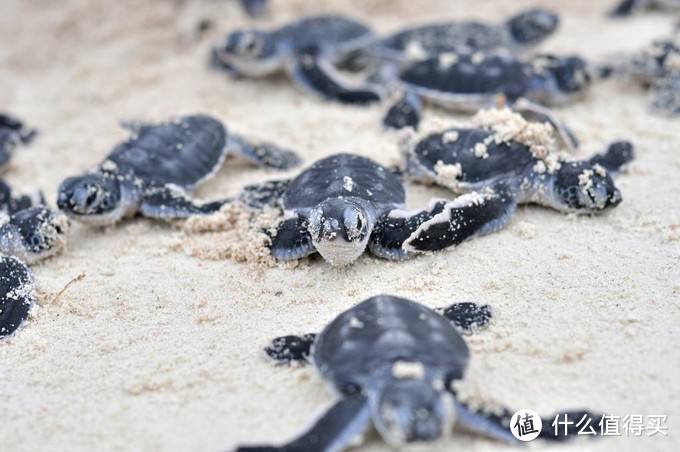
27 236
467 82
153 171
345 203
518 161
391 363
309 50
657 67
522 31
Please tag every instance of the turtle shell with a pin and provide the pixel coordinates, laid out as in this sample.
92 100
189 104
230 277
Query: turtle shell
16 294
446 37
181 152
470 74
459 146
345 175
381 331
320 32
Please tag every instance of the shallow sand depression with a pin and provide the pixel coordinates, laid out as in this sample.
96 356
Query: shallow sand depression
151 347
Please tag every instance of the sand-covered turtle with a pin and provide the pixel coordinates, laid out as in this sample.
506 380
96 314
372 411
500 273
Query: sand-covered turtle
154 170
391 363
27 236
519 161
310 50
657 68
469 81
344 203
628 7
521 31
12 133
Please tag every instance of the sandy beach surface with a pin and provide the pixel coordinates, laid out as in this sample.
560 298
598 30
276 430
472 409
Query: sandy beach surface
147 337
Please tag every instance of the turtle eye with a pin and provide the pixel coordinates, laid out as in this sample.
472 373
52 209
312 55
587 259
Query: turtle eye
250 45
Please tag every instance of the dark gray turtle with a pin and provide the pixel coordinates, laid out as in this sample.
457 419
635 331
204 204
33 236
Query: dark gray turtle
467 82
27 236
391 363
657 68
519 172
17 294
153 171
524 30
12 133
628 7
345 203
309 50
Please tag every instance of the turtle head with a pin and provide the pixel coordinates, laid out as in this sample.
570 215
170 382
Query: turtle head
90 197
33 234
584 188
340 229
532 26
560 80
248 52
411 410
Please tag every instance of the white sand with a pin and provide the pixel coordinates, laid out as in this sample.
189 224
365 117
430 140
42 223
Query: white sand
152 349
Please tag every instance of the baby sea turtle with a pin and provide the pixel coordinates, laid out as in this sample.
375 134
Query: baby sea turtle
517 160
153 171
309 50
344 203
628 7
467 82
524 30
12 133
391 362
657 67
27 236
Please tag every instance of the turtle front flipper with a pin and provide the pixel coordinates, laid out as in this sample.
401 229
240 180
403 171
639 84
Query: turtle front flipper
537 113
336 430
263 154
287 349
401 234
406 112
313 73
172 202
628 7
617 155
266 194
292 241
16 294
468 317
494 426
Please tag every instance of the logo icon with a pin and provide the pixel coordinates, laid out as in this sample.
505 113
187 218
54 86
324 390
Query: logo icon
526 425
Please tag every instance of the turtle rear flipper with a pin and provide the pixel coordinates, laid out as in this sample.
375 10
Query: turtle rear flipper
406 112
292 241
628 7
16 294
315 74
400 234
286 349
172 202
337 428
537 113
263 154
468 317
